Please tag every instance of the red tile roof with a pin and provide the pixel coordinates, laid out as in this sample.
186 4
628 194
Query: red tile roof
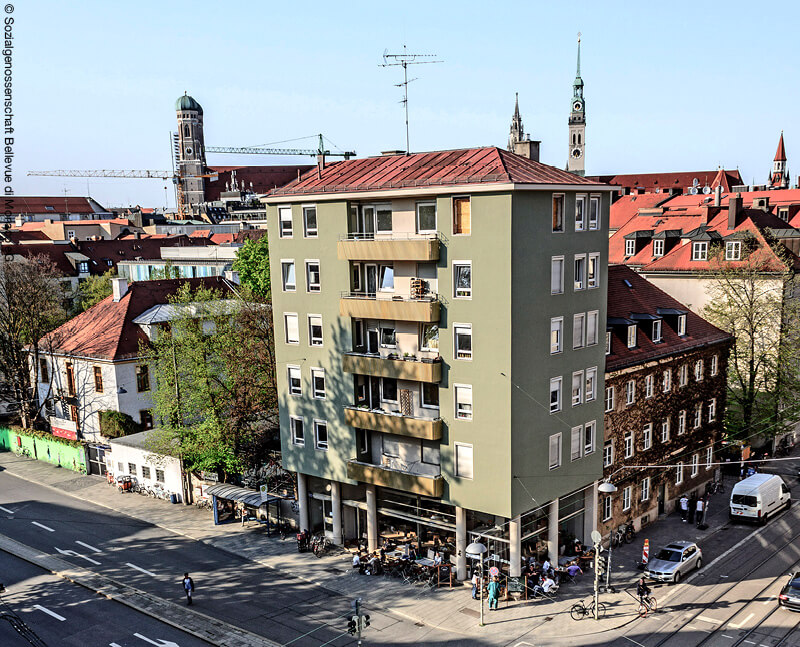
627 207
56 254
29 205
680 181
438 168
200 233
630 294
263 178
780 154
222 239
106 330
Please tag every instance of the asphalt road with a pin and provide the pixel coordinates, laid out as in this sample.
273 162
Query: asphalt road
68 615
243 593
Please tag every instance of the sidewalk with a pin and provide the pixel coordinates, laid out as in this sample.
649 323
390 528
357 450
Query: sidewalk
447 609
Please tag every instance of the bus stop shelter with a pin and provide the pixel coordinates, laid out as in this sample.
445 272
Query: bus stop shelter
252 499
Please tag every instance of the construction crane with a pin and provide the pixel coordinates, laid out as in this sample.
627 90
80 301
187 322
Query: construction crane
261 150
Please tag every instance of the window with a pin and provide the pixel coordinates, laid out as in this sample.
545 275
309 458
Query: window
594 212
426 218
120 467
594 270
578 330
658 247
321 434
464 467
646 488
555 451
681 325
159 475
589 437
712 409
383 218
388 337
296 425
356 277
70 234
626 498
683 375
285 217
667 380
312 276
98 379
647 436
649 384
577 388
318 383
698 415
315 330
389 389
44 373
630 392
83 267
606 508
609 398
576 439
608 453
462 279
695 464
463 401
557 275
714 365
462 217
387 278
733 250
629 444
430 395
580 213
682 422
709 457
556 334
310 221
132 469
558 213
592 318
145 472
698 370
657 331
142 378
679 474
292 328
580 271
555 394
630 247
632 336
699 251
608 342
591 384
146 419
430 337
665 430
295 380
463 339
287 272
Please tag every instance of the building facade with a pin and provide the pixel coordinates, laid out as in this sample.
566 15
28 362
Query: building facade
437 321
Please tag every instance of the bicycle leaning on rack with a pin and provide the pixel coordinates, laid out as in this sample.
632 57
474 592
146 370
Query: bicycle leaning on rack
580 610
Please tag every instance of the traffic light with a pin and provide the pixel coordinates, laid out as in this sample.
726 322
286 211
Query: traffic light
365 621
601 564
352 625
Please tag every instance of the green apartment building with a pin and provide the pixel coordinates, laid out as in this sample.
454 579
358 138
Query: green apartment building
438 324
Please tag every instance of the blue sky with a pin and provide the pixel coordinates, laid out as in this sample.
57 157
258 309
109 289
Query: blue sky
684 86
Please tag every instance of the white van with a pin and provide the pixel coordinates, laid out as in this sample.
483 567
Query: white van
758 497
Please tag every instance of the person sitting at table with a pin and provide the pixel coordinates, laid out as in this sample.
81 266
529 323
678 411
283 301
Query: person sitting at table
547 568
357 559
545 586
437 559
412 553
374 566
578 546
382 553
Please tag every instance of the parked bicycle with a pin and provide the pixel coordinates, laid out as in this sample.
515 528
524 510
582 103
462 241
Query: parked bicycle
579 610
715 486
204 503
647 605
320 545
623 534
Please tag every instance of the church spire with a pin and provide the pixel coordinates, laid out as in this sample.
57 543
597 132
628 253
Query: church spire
517 132
779 178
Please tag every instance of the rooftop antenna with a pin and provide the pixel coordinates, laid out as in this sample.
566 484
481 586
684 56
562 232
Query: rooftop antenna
405 59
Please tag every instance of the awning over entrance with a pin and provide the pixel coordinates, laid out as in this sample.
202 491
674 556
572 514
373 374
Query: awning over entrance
233 493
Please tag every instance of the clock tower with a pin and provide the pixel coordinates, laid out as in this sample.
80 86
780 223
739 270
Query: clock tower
577 123
779 178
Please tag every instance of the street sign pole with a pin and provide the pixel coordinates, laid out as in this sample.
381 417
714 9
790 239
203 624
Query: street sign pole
596 580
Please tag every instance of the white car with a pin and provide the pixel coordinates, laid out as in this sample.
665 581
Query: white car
674 561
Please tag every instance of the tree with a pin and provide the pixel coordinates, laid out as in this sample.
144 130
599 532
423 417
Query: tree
756 300
252 264
93 290
31 305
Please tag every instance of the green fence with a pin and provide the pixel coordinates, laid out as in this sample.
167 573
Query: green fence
44 447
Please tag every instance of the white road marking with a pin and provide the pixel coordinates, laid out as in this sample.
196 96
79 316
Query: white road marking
158 642
633 641
80 543
741 624
49 613
769 599
114 645
74 554
41 525
138 568
727 636
711 620
6 510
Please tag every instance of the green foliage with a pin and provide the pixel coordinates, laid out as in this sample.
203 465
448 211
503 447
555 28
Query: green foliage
114 424
93 290
252 264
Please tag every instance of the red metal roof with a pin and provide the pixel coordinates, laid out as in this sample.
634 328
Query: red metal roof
680 181
437 168
628 206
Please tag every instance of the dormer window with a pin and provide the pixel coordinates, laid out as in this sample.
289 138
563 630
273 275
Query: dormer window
700 251
682 326
632 336
630 247
656 331
733 250
658 247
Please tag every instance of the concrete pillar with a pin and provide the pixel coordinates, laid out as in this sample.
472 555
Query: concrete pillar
372 518
302 501
515 547
461 543
590 508
552 532
336 512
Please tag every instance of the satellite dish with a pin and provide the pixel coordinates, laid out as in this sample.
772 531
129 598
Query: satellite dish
695 182
693 191
596 537
706 190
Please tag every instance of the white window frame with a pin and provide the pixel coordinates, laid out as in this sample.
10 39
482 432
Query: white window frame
554 438
285 262
435 217
387 326
714 365
462 293
579 380
630 247
460 329
578 330
589 437
667 386
556 384
315 373
610 398
423 344
458 404
576 443
683 375
733 250
695 465
658 247
593 271
647 436
285 225
558 201
301 440
657 339
682 422
594 212
649 385
629 445
458 460
287 316
709 457
592 337
646 488
580 212
626 497
698 416
313 287
312 341
608 342
307 232
679 474
382 267
607 508
396 390
469 200
357 278
294 372
590 390
556 335
630 392
579 272
556 274
698 370
631 332
665 430
608 453
712 409
700 250
318 444
681 325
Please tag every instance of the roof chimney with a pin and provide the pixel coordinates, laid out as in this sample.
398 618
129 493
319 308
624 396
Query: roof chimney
717 195
734 208
119 288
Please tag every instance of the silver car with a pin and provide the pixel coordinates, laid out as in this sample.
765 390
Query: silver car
674 561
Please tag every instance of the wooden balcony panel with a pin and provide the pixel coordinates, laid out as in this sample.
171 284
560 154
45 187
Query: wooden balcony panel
393 424
426 311
389 249
395 479
397 368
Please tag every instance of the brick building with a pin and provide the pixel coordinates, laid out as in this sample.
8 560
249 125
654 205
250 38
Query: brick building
665 390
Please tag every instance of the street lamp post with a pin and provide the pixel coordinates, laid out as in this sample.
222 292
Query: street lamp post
476 549
607 488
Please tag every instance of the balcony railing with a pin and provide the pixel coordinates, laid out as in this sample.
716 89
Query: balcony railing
363 305
400 369
393 423
388 247
398 479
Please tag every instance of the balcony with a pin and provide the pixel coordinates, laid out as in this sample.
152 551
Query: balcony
424 428
399 369
397 479
391 247
397 308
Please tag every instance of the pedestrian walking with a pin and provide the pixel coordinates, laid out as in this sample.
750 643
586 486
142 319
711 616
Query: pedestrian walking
700 511
692 507
494 593
476 580
684 503
188 587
